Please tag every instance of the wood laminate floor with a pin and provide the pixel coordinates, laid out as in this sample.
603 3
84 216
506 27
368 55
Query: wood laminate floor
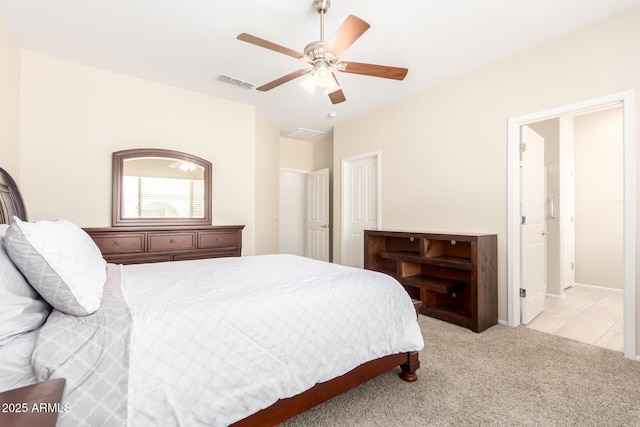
586 314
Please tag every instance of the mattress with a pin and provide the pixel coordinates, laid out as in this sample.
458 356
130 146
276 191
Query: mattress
209 342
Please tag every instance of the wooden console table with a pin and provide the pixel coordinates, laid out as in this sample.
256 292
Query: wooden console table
454 275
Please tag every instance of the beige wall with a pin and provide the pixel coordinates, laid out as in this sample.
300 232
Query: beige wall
9 101
599 199
267 179
306 155
296 154
444 151
323 153
73 117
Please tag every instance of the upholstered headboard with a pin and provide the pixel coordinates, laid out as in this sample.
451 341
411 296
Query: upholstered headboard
10 199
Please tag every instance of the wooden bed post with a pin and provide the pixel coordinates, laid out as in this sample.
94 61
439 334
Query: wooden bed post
410 367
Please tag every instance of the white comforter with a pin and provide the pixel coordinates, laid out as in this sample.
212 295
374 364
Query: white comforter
214 341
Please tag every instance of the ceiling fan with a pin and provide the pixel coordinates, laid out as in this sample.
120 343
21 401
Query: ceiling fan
324 57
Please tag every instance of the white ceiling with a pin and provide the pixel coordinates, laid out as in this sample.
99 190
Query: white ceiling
188 43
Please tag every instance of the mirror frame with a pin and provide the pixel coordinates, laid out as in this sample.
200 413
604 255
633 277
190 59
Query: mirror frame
119 157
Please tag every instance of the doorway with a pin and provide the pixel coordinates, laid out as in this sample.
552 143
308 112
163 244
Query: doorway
291 228
305 214
583 228
627 100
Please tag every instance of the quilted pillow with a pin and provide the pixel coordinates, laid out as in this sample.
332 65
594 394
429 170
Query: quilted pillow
21 308
61 262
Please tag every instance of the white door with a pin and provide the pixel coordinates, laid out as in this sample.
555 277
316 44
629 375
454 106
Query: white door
362 206
567 227
533 225
318 230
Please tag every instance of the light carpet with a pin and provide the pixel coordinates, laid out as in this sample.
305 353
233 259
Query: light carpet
501 377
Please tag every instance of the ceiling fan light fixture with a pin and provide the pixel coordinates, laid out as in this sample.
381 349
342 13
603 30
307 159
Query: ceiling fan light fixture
309 84
322 77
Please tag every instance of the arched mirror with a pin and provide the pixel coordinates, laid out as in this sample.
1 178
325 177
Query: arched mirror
160 187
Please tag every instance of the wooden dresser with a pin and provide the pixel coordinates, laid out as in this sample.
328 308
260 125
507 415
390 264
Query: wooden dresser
135 245
454 275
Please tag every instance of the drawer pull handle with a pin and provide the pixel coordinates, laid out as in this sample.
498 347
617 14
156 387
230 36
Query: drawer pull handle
116 243
172 241
218 239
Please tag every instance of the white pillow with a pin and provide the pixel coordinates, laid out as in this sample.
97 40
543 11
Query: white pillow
21 308
61 262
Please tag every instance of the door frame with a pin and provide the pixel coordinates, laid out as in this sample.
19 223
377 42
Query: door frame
627 99
567 223
344 214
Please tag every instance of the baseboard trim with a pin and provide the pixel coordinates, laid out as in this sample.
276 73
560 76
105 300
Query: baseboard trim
604 288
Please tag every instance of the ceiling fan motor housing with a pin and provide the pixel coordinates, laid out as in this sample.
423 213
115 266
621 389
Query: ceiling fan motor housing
315 52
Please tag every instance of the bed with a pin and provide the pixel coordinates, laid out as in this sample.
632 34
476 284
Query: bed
230 341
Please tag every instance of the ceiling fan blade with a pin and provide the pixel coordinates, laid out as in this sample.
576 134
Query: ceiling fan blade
383 71
350 30
269 45
283 79
337 96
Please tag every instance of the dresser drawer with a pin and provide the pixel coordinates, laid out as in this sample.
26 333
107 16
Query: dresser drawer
171 241
217 239
118 244
134 245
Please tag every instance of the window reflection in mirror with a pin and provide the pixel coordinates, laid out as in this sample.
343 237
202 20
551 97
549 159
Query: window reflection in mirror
160 187
155 187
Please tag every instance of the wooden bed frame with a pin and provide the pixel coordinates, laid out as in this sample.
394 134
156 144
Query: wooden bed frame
284 409
10 199
11 204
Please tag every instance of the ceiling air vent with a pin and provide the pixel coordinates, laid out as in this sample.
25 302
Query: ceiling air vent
302 133
233 81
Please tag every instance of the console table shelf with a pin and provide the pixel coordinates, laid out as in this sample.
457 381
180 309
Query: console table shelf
454 275
433 284
443 261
